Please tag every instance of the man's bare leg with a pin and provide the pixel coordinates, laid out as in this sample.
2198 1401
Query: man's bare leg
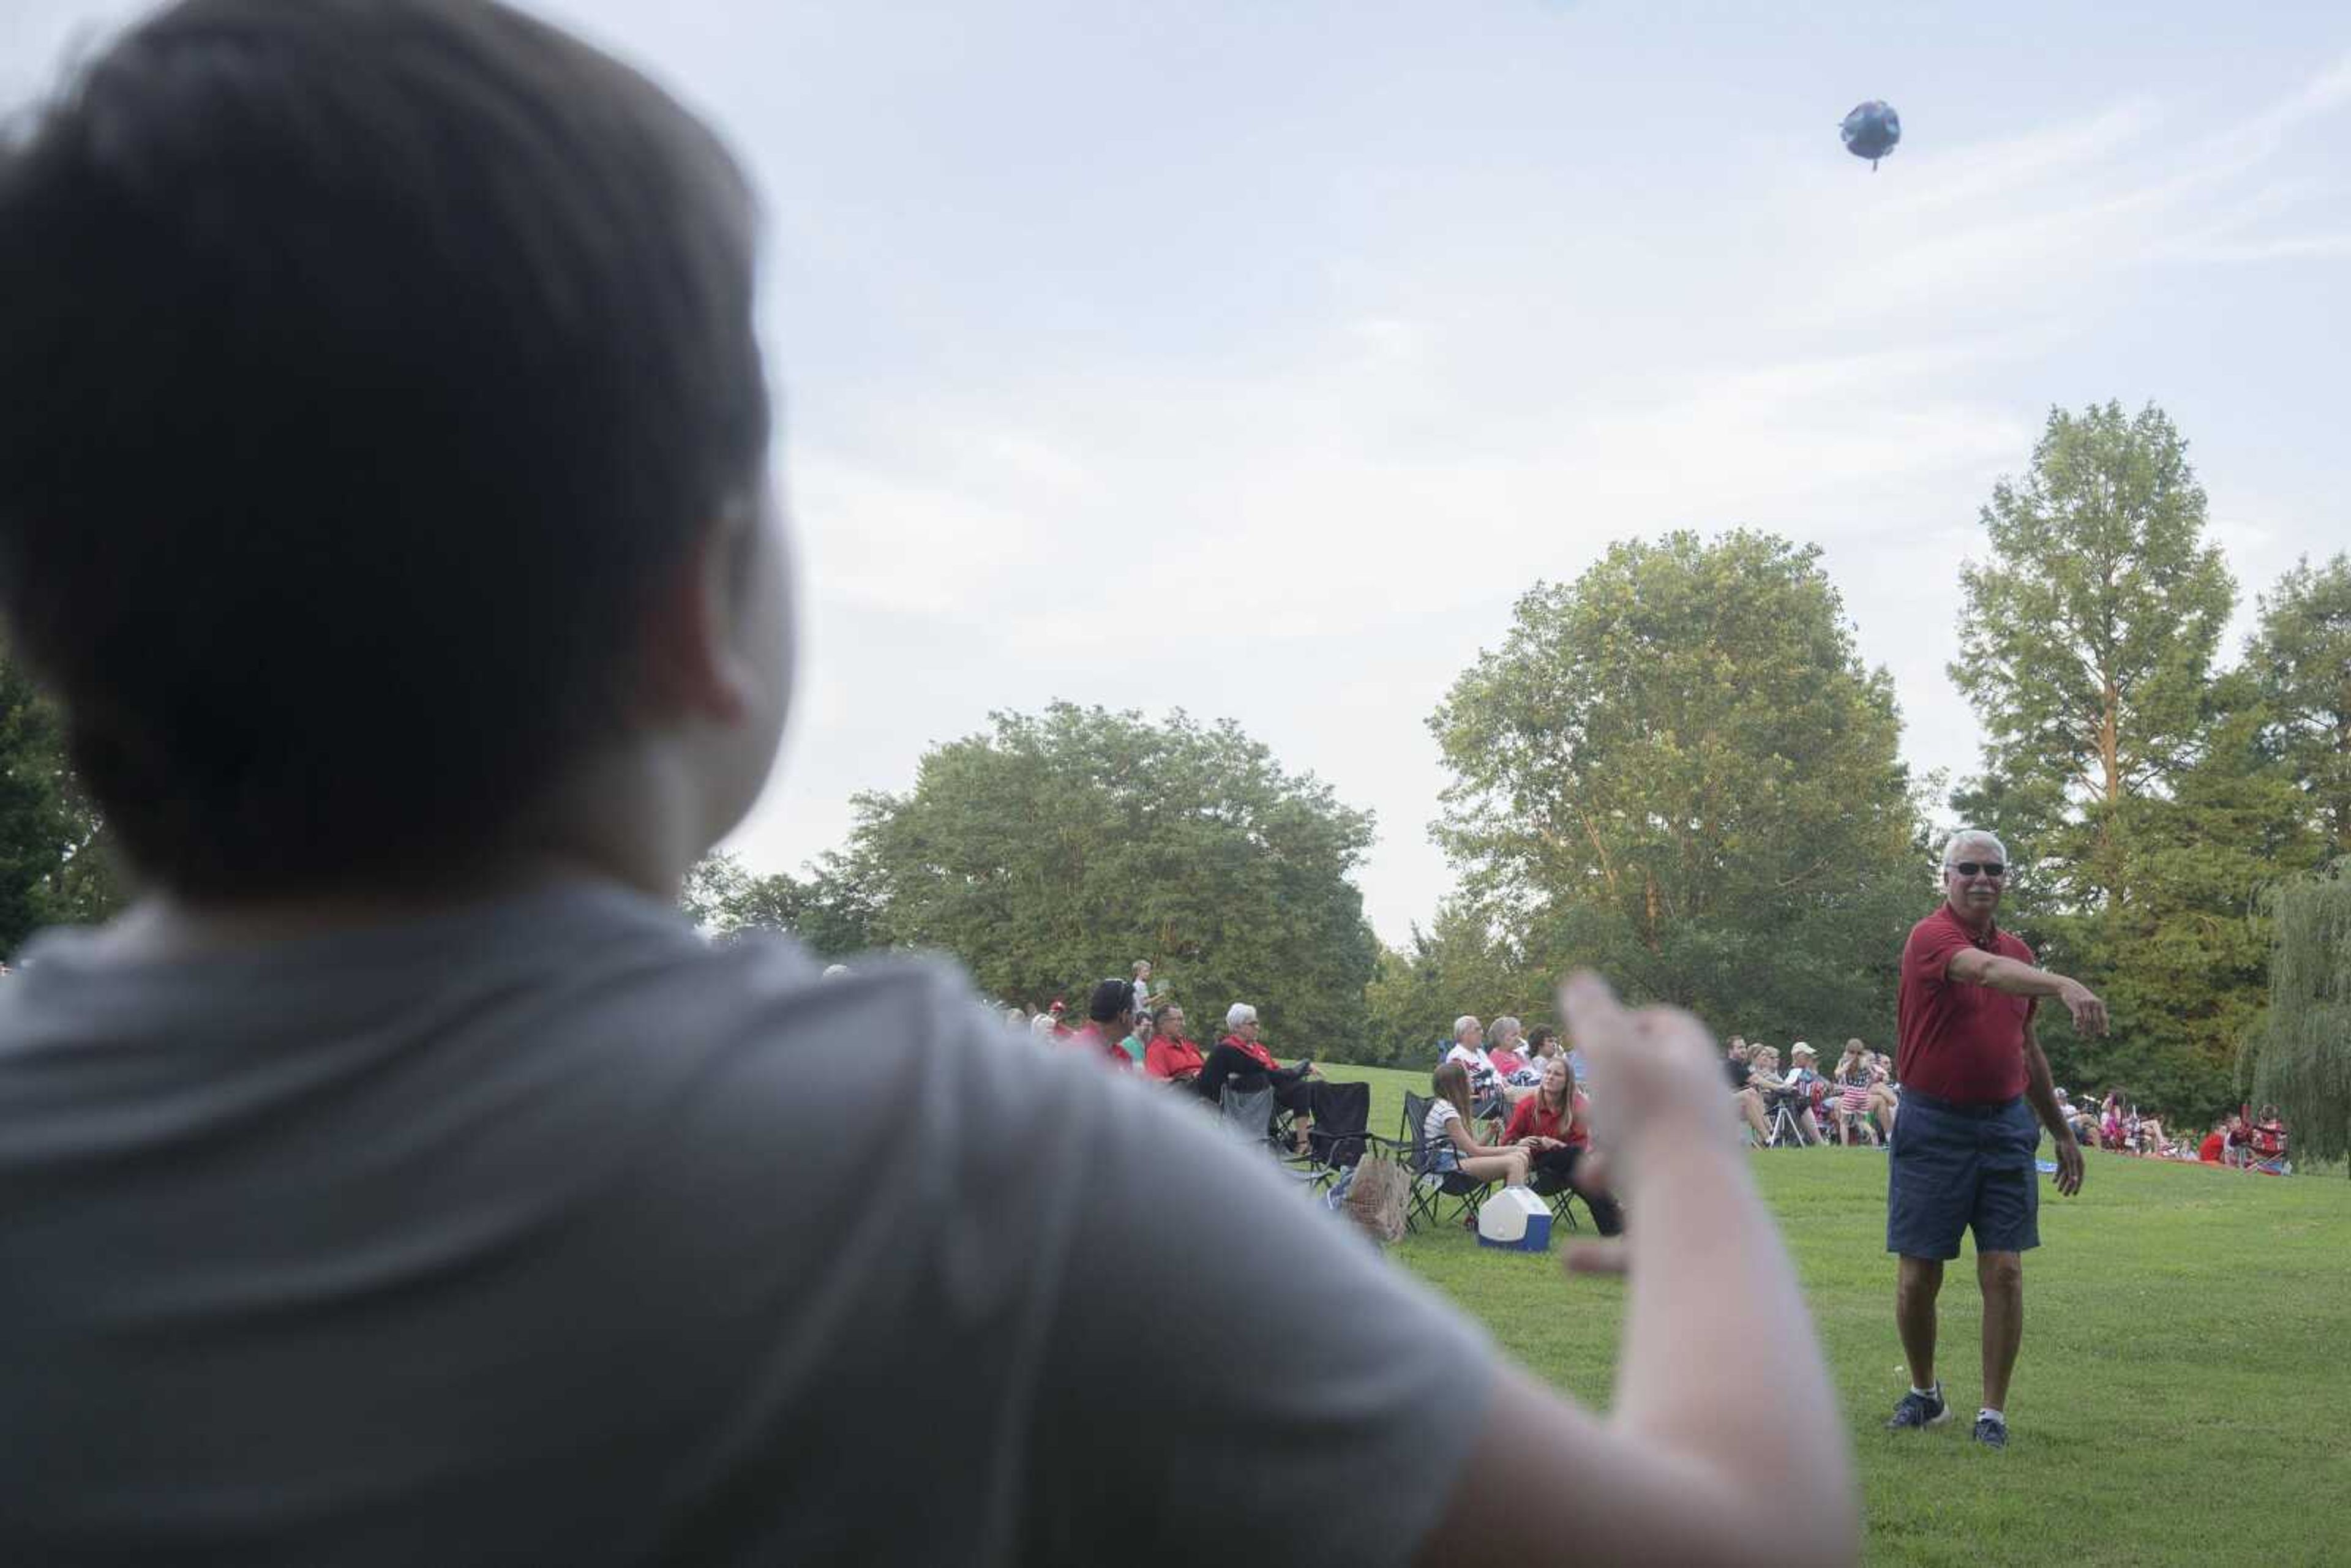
2002 1275
1917 1283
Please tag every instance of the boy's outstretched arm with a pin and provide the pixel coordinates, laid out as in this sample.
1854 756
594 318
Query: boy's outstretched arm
1713 1454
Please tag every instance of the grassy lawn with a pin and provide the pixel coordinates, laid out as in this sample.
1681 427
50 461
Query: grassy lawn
2184 1394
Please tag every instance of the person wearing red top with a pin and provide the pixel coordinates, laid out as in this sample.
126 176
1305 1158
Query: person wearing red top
1240 1054
1976 1093
1109 1013
1550 1123
1170 1056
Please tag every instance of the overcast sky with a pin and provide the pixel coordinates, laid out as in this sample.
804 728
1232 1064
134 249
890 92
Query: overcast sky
1252 358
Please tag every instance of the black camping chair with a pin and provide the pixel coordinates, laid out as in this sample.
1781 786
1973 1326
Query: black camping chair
1341 1134
1334 1146
1343 1115
1553 1190
1431 1187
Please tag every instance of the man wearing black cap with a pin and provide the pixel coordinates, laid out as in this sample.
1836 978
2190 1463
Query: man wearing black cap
1109 1013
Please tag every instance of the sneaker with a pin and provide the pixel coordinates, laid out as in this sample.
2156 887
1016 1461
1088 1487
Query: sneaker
1991 1433
1919 1411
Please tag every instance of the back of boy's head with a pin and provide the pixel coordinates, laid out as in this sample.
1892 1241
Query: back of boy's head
365 365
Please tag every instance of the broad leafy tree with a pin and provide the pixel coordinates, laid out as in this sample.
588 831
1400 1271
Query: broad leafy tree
1463 963
1057 848
828 909
1677 768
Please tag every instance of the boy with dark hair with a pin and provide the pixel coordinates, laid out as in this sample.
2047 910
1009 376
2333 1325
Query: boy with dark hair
402 1179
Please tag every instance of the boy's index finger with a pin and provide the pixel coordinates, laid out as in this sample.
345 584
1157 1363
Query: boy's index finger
1586 1002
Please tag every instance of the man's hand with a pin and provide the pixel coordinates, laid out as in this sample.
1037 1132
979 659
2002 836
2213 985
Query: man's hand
2089 1012
2069 1164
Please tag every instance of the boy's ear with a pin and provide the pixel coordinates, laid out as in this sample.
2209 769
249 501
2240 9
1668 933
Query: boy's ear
694 662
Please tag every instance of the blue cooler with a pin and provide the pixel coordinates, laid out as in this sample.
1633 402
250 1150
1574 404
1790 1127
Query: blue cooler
1516 1220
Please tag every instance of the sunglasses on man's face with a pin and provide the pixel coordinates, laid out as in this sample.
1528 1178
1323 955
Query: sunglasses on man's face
1980 868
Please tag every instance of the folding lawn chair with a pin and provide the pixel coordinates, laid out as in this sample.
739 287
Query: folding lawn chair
1342 1114
1248 1114
1431 1186
1554 1191
2269 1151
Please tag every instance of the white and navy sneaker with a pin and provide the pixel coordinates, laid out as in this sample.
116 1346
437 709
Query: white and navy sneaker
1919 1411
1991 1433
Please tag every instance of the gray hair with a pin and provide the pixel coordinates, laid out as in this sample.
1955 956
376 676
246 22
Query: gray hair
1238 1014
1464 1024
1503 1025
1971 836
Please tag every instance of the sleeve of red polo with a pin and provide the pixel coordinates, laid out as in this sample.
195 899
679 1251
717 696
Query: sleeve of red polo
1521 1123
1927 956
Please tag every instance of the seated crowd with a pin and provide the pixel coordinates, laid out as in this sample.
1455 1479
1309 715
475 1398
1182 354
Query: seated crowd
1801 1106
1523 1087
1135 1030
2238 1140
1509 1104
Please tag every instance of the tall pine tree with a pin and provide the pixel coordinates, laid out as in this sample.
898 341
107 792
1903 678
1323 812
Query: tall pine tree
2301 656
2132 787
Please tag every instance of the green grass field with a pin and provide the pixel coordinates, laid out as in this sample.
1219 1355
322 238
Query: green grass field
2184 1394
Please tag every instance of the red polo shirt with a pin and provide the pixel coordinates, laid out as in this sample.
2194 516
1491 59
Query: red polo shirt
1959 1042
1091 1039
1166 1058
1530 1120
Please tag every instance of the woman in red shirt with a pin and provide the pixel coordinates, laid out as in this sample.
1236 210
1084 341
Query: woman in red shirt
1240 1054
1170 1056
1549 1124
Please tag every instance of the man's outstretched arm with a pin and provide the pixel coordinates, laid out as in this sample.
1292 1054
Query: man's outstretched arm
1974 967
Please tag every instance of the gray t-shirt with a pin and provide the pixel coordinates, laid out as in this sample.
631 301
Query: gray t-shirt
543 1232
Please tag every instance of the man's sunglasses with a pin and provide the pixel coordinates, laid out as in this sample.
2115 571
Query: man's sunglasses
1980 868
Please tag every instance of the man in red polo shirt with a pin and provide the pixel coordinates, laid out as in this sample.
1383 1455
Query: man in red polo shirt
1975 1094
1109 1013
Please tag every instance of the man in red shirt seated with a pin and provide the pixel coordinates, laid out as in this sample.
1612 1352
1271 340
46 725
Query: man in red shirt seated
1170 1056
1550 1122
1109 1013
1974 1085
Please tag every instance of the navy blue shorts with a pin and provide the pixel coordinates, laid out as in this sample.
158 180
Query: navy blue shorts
1950 1169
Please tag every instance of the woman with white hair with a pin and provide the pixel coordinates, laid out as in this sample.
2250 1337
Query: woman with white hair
1243 1058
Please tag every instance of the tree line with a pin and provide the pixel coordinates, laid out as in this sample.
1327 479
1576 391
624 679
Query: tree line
1676 767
